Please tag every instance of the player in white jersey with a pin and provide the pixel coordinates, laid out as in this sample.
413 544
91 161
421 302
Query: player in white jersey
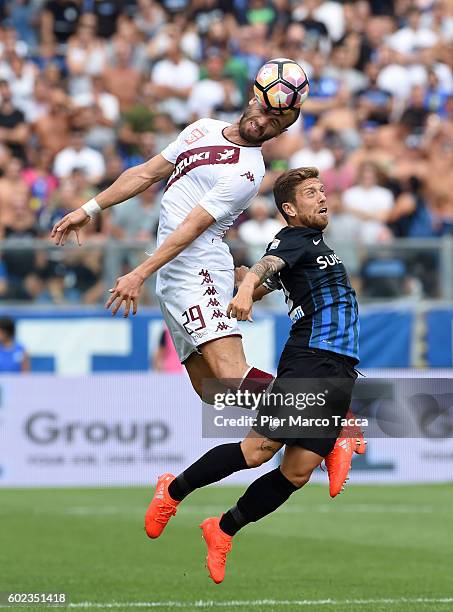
221 177
213 171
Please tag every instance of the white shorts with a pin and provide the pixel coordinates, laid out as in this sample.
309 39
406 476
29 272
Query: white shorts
194 302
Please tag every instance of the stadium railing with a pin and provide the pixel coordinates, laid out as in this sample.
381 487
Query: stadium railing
403 268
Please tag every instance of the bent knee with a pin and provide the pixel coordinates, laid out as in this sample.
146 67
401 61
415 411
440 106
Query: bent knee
298 479
256 457
206 398
257 451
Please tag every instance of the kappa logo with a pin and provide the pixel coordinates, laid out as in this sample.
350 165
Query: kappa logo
217 314
211 291
248 175
202 156
206 277
222 326
213 302
227 154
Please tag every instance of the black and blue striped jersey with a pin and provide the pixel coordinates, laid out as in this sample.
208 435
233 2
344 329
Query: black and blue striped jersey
321 303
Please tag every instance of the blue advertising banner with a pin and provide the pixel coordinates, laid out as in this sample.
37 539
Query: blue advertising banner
81 341
439 337
386 338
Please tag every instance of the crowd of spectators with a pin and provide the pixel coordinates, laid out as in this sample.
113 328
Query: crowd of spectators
89 88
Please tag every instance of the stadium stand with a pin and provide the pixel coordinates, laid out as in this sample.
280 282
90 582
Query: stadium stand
91 87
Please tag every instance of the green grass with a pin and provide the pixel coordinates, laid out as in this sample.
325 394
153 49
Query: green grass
371 543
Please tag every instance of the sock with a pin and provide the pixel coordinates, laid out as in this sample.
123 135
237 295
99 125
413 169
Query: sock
263 496
217 463
256 381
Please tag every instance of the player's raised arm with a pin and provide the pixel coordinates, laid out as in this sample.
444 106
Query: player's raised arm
130 183
240 307
127 287
218 203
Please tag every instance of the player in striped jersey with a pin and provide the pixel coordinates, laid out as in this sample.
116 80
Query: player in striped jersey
321 303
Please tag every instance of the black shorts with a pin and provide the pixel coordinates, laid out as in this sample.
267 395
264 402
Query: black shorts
310 395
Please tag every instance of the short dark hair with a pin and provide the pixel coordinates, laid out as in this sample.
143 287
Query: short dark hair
286 184
296 117
8 326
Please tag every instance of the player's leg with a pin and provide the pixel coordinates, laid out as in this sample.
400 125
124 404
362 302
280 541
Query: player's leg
205 381
216 464
222 461
262 497
298 363
226 359
271 490
199 372
193 303
187 325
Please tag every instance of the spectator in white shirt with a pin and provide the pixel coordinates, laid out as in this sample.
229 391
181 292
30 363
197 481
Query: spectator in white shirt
316 154
105 102
38 105
173 78
369 207
413 36
86 55
102 113
209 93
79 156
393 76
342 69
21 75
440 20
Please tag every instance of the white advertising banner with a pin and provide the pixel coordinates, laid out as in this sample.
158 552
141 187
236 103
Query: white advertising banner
116 430
103 430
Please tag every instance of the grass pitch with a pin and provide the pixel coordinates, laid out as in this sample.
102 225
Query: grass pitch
373 549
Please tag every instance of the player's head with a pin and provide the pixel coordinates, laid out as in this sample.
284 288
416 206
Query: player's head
258 124
7 330
299 196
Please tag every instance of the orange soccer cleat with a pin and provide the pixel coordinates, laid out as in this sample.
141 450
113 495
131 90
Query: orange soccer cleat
338 461
161 508
219 545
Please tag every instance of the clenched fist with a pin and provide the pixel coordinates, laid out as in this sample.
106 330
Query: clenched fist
240 307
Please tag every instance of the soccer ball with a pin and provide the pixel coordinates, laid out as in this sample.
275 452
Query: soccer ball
281 85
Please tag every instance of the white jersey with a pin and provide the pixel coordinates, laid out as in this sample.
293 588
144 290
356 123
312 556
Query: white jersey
218 175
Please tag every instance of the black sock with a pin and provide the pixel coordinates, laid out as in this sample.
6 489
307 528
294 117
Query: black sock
263 496
217 463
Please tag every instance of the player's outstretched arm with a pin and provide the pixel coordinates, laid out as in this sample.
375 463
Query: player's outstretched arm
127 287
130 183
240 307
259 293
